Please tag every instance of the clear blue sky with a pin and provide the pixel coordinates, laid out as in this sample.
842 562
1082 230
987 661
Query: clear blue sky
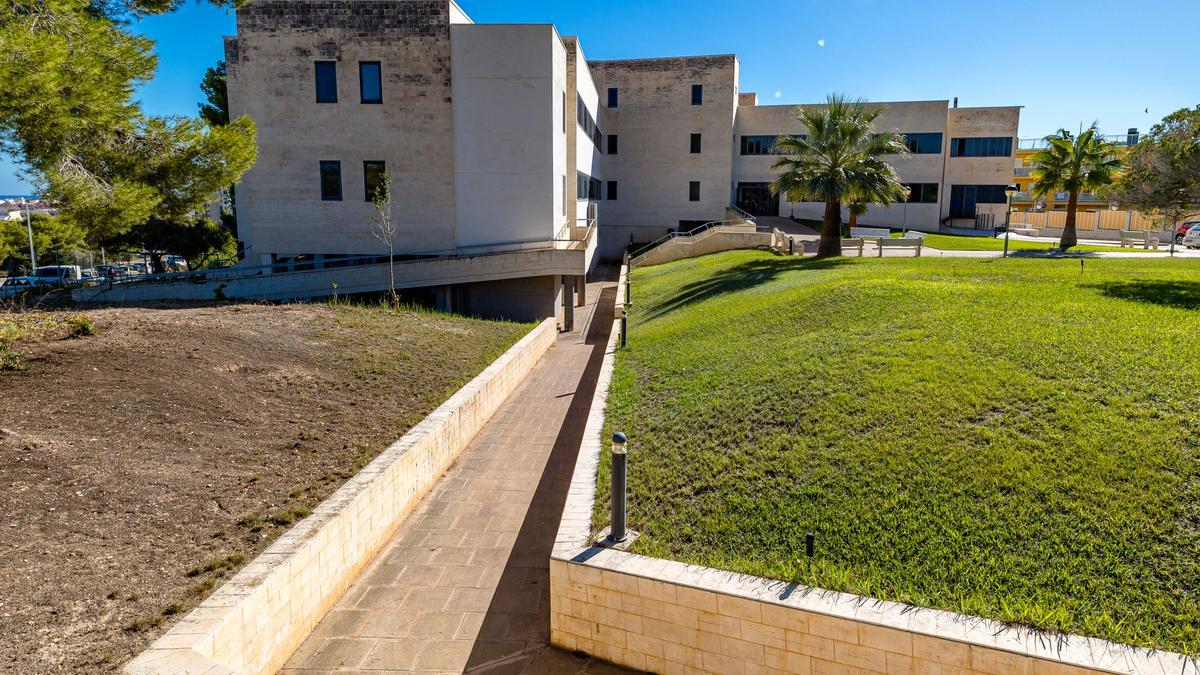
1067 61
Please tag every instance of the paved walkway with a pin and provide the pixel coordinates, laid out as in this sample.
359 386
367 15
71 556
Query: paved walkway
463 586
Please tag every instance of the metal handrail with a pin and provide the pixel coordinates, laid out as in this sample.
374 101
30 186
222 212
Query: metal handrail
246 271
742 217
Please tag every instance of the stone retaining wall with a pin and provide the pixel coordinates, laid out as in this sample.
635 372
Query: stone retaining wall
669 617
252 623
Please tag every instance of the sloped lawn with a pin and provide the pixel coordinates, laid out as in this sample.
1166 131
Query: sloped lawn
1014 439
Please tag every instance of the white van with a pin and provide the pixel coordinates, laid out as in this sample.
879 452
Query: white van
63 275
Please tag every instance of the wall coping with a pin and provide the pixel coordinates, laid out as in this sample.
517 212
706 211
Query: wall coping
192 644
575 539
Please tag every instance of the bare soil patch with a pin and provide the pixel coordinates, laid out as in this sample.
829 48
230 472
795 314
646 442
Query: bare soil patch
143 463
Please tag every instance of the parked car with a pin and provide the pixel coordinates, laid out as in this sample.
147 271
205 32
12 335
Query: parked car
1192 238
1182 230
14 286
59 275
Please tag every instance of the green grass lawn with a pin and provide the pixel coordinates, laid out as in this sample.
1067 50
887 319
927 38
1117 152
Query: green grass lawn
951 242
1014 439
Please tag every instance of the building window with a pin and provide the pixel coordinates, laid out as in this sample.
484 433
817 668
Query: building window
370 82
697 94
373 175
612 189
922 193
984 146
612 144
612 97
963 198
758 145
587 123
326 81
331 181
695 144
586 187
694 191
924 144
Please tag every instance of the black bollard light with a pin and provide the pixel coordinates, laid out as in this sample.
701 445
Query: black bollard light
809 539
617 532
628 301
624 327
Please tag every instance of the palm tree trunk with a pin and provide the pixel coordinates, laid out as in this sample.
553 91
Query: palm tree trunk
831 230
1069 236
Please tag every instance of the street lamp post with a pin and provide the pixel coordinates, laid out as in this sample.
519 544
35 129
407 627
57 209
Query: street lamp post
29 227
1008 196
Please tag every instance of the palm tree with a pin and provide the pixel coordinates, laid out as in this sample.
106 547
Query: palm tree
855 209
1073 164
839 161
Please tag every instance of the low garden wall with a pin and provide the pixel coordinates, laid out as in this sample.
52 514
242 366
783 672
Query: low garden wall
256 620
670 617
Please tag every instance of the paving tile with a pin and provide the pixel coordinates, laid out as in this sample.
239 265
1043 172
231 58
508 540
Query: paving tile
463 585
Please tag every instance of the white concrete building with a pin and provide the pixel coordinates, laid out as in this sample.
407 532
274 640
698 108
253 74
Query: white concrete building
502 137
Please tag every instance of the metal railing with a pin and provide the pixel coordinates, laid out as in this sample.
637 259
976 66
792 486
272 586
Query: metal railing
743 217
560 241
1120 139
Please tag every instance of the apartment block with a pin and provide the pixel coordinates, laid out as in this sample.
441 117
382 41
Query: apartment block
504 137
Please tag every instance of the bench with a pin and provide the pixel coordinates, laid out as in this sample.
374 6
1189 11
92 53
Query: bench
905 242
870 232
853 242
1025 229
1146 239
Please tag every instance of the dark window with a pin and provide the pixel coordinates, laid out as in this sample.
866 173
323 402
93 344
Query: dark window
923 144
586 187
587 123
373 174
612 189
694 191
612 97
963 198
922 193
326 81
697 94
370 82
984 146
758 145
612 144
331 181
695 144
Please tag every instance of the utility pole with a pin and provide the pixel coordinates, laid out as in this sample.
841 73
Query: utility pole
29 227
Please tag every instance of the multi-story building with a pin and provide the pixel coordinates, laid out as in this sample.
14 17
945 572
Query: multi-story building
1057 201
503 139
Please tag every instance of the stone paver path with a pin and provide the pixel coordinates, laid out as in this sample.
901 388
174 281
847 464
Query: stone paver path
463 586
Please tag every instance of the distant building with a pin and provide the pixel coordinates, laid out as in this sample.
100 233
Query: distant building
1057 201
505 135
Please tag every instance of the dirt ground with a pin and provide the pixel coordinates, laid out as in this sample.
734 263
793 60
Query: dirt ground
142 464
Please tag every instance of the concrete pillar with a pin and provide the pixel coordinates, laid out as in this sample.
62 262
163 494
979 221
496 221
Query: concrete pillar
441 298
580 290
568 287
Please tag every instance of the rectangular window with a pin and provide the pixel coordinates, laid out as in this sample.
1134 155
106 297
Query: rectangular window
331 181
370 82
983 146
587 123
695 144
373 175
612 144
586 187
697 94
758 145
694 191
963 198
612 97
924 143
922 193
612 189
326 81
